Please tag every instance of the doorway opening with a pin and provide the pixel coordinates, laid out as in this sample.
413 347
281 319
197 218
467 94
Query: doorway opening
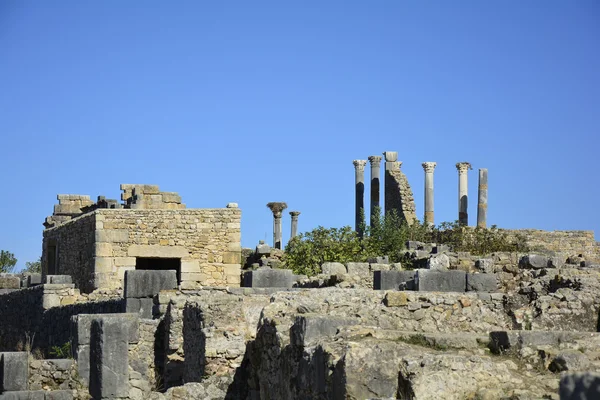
159 264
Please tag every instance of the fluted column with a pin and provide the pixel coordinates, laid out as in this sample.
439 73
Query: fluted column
277 208
429 167
482 198
463 192
359 184
294 215
375 174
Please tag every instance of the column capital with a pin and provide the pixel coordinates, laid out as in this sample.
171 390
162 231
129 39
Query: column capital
277 207
429 166
295 214
390 156
375 161
463 167
359 164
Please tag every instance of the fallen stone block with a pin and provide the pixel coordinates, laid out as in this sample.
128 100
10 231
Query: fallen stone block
482 283
34 280
440 248
485 265
394 280
440 281
59 279
266 278
580 386
533 261
333 268
148 283
10 281
379 260
14 371
109 357
414 245
440 262
24 395
308 329
359 269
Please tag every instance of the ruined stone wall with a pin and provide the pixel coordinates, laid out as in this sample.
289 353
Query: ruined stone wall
206 240
399 195
40 316
567 242
73 246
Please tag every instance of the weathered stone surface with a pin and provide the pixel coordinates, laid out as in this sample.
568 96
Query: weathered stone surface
59 279
14 371
482 283
439 262
109 375
485 265
359 269
440 281
24 395
147 283
266 277
81 326
393 280
533 261
308 329
333 268
10 281
580 386
59 395
34 279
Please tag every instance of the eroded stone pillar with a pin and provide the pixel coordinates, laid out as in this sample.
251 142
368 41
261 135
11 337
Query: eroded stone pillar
375 174
359 184
294 215
277 208
429 167
463 192
482 198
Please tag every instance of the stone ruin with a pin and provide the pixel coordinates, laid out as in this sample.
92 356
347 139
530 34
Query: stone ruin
507 325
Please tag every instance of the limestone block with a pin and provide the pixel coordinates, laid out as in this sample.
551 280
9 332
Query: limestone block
193 276
359 269
82 355
103 250
154 250
147 283
171 197
440 262
232 257
142 306
379 260
124 261
485 265
34 280
50 300
24 395
233 280
395 299
190 266
266 277
67 209
109 357
232 269
333 268
10 281
14 371
59 395
482 283
59 279
533 261
308 329
440 281
81 326
580 385
380 267
393 280
112 235
263 249
103 264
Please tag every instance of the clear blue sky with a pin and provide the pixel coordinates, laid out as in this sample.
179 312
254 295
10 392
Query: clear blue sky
253 102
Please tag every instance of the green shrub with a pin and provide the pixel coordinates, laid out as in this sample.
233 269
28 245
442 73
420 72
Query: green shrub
63 351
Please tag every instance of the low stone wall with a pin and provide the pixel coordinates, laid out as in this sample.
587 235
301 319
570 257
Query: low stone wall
58 374
49 309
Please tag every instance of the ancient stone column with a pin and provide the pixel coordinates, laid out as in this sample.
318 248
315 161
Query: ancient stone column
359 183
277 208
482 198
294 215
375 173
463 192
428 167
390 197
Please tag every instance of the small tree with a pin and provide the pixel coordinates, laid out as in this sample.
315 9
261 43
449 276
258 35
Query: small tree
7 261
34 267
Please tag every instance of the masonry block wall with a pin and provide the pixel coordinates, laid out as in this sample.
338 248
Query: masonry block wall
97 248
568 242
